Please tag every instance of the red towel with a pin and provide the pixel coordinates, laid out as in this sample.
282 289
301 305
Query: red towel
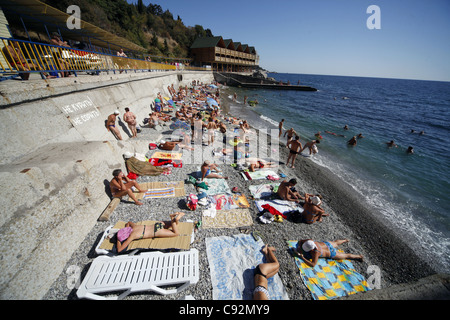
272 210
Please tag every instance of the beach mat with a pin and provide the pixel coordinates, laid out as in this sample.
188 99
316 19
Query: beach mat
183 241
161 189
232 261
216 186
260 174
228 219
330 279
264 191
283 206
167 155
229 201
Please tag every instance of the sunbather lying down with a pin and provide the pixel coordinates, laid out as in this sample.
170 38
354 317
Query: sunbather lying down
160 229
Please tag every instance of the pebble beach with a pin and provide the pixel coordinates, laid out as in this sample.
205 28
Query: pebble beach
349 218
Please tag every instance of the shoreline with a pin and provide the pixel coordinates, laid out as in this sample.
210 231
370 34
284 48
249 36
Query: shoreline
367 235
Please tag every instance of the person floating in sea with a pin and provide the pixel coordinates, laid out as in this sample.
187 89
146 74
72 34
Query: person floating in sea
410 150
391 144
352 142
294 149
360 136
346 127
310 251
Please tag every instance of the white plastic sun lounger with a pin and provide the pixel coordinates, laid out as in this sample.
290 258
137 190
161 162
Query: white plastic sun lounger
145 272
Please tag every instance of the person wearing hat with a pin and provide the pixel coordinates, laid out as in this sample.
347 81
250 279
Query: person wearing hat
310 251
111 125
120 185
312 211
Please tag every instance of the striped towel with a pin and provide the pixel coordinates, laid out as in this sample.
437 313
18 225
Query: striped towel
160 193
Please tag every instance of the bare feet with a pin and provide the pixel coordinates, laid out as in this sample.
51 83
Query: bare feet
138 203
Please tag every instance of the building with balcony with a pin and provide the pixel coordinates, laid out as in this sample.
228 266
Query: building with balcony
224 54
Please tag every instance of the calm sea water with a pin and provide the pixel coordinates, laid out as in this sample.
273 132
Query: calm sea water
411 192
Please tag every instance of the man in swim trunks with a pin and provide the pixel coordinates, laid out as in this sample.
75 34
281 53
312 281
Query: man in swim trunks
130 118
120 185
290 133
294 149
111 125
310 251
312 211
263 272
160 229
286 191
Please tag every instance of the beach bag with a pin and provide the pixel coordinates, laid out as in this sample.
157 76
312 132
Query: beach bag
191 201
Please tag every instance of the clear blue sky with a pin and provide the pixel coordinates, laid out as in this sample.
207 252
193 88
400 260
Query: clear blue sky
330 36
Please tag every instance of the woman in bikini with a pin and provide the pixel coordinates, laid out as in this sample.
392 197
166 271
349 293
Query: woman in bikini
159 229
120 185
263 272
310 251
312 211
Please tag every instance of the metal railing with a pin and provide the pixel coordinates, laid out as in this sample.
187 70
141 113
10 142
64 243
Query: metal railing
24 57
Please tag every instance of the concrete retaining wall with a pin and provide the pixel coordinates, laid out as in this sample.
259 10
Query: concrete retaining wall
55 159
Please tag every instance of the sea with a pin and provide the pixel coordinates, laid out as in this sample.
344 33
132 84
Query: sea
410 192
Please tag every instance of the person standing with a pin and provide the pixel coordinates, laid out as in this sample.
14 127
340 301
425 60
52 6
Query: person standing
130 118
111 125
294 149
280 127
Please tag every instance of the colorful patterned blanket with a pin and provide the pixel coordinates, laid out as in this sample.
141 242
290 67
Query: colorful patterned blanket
330 278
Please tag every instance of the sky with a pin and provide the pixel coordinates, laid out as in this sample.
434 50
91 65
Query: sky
331 37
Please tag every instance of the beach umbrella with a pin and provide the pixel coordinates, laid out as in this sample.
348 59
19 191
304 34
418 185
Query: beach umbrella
171 102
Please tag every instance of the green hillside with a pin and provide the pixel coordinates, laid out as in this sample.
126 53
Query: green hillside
148 26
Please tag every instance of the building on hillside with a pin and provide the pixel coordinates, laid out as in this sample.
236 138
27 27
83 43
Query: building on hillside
224 55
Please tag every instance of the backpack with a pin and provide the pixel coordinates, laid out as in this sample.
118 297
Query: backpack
191 201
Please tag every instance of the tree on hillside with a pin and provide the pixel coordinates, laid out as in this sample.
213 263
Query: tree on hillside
138 23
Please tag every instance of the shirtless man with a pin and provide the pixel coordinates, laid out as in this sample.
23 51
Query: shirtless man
111 125
290 133
130 119
295 146
311 145
286 191
120 185
160 229
211 126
